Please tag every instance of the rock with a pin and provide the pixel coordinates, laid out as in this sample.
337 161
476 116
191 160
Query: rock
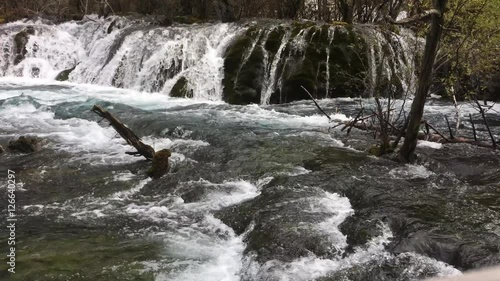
2 150
181 90
64 75
20 42
160 165
26 144
244 72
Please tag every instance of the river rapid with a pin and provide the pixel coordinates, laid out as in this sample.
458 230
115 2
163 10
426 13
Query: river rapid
267 192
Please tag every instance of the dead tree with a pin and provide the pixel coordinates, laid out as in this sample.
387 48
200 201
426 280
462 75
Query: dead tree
160 164
128 135
406 154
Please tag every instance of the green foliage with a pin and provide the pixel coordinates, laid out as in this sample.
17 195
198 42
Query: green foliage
470 45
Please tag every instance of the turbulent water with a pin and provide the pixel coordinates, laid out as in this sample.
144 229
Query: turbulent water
255 192
198 60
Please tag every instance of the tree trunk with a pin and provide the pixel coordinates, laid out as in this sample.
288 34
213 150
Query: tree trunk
406 153
346 10
187 9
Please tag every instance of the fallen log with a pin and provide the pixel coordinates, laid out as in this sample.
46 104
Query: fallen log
128 135
160 165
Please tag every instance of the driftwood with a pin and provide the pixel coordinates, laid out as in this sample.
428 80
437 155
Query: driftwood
160 165
128 135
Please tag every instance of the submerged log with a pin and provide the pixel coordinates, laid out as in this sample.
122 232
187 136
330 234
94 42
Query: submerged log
128 135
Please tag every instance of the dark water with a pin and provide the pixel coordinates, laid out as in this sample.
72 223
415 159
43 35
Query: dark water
254 193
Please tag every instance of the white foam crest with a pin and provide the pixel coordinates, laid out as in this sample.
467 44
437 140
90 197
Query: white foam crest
72 135
312 267
223 195
122 195
410 171
434 145
48 51
341 208
216 256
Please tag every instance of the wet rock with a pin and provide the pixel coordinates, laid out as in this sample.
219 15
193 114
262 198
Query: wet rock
111 26
244 72
26 144
181 90
20 42
328 62
285 229
160 165
64 75
360 230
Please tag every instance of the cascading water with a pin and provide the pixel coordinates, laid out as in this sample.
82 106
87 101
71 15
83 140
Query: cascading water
190 60
125 54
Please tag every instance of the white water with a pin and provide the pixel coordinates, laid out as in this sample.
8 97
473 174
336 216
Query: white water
133 55
137 55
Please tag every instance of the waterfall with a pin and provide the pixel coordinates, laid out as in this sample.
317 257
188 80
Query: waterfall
192 60
270 82
122 53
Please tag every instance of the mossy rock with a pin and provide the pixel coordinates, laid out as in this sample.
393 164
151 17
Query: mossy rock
160 166
20 41
274 40
2 20
181 89
243 83
64 75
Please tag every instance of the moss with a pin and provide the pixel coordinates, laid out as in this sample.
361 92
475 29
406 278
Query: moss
302 74
243 83
83 255
274 40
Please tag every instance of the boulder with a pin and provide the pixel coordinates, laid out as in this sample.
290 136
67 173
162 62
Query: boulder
25 144
160 165
20 42
181 90
64 75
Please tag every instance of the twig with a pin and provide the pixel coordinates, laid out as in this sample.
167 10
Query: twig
355 120
481 110
317 105
473 127
437 132
449 128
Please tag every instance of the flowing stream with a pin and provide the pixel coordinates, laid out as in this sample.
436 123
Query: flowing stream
254 192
